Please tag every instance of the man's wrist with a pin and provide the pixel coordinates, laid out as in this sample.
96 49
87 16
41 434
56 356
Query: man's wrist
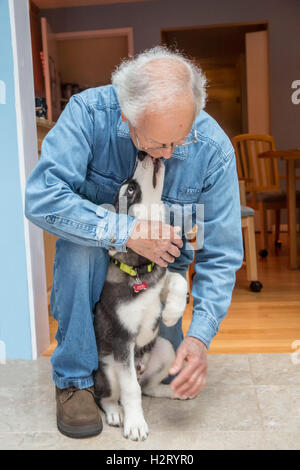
197 340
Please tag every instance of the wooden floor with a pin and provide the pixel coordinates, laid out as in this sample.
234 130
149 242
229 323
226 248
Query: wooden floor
265 322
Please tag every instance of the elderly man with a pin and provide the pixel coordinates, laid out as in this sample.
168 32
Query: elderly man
155 104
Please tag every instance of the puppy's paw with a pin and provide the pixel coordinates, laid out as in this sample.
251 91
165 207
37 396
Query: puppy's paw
136 429
113 412
170 317
114 418
174 297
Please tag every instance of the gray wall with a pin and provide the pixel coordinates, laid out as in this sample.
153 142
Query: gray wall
147 20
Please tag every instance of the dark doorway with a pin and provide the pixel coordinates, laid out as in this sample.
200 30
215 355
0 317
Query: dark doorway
221 53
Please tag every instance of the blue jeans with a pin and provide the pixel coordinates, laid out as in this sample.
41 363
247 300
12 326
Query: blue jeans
79 274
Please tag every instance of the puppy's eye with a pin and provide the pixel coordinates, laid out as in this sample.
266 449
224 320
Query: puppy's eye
130 190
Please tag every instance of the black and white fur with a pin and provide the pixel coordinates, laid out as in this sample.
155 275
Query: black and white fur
132 357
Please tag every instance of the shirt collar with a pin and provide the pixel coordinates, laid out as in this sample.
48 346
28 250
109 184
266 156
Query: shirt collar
179 152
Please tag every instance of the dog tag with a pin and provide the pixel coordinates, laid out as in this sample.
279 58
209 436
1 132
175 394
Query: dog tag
139 287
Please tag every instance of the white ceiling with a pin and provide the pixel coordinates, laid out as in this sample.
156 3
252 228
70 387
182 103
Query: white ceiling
43 4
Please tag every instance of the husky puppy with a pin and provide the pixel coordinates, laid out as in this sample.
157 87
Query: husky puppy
132 357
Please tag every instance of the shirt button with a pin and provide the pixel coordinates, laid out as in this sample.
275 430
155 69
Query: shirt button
112 240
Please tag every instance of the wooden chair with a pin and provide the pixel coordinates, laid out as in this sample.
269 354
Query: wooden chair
247 214
261 181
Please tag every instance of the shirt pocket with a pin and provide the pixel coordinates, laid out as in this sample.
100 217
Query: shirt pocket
182 209
102 189
183 195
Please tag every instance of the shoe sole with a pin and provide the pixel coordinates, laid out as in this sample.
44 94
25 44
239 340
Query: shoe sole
79 432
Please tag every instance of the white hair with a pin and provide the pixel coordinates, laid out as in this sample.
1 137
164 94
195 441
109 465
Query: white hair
156 79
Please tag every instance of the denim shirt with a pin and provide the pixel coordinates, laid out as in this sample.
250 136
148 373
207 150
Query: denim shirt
85 159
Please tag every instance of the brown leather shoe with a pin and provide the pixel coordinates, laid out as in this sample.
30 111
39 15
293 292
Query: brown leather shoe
77 413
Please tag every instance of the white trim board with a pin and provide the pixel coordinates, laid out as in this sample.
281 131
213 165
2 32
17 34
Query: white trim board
28 157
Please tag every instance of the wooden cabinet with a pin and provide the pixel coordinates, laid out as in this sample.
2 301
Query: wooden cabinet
43 127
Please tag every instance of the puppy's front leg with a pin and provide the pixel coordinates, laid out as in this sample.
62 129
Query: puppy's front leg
135 426
174 295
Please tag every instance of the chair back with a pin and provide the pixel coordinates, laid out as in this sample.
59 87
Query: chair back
259 174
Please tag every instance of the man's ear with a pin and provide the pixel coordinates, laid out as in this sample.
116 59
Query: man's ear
124 118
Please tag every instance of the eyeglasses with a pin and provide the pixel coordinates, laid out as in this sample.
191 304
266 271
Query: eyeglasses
165 146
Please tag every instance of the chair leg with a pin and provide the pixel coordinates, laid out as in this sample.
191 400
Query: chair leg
188 287
250 255
250 249
277 228
190 275
263 230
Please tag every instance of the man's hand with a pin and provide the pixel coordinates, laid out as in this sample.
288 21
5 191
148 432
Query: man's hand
156 241
192 378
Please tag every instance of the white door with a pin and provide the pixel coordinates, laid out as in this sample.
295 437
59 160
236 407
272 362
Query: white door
51 70
258 96
258 92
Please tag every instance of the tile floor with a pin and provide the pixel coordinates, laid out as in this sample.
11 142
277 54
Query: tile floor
250 402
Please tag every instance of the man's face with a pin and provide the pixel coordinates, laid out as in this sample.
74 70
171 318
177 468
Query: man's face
170 127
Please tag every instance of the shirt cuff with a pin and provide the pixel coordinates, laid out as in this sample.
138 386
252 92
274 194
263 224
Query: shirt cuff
113 230
203 328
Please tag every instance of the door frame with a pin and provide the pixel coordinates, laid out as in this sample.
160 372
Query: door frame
263 24
100 33
75 35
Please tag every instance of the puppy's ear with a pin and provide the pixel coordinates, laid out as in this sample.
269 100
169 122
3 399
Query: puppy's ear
142 155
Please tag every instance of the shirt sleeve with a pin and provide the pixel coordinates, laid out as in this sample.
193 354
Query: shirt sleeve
52 200
222 252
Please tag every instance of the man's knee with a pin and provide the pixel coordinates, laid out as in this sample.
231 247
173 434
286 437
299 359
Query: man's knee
79 272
